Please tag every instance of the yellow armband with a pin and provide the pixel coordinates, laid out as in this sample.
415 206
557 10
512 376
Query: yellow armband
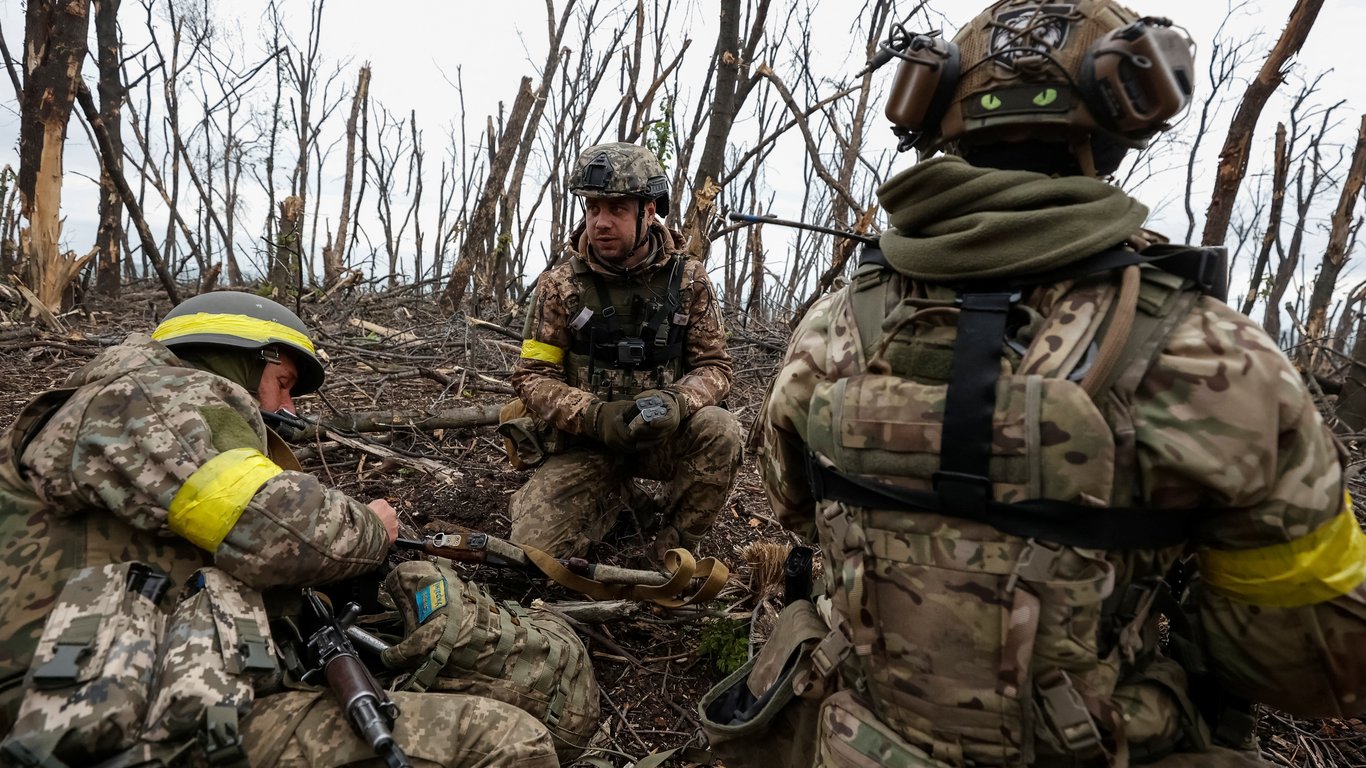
214 497
1321 565
539 350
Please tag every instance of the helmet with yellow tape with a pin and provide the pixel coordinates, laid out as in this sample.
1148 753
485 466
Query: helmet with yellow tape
243 321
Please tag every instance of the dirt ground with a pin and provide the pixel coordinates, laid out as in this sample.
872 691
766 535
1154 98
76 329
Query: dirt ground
652 668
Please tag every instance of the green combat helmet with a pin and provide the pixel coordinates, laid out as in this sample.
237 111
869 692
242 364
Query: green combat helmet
622 170
243 321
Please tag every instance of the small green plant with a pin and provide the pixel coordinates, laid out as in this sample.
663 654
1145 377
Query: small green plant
658 134
726 643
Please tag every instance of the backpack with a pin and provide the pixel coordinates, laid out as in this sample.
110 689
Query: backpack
1006 430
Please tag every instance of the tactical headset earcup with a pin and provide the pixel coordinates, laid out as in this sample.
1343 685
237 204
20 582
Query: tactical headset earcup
923 88
1137 77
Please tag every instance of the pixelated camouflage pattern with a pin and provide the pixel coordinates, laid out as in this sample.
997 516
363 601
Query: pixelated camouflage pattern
951 646
202 662
99 710
303 729
93 485
529 659
632 168
559 393
574 498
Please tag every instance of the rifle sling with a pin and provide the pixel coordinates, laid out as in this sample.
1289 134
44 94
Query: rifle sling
680 567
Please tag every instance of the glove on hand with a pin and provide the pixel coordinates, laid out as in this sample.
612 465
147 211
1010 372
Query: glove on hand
650 426
608 423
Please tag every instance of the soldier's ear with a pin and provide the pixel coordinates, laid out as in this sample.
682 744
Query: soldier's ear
649 206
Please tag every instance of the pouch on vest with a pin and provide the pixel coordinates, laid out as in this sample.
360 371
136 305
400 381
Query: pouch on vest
754 717
457 639
852 736
216 653
88 687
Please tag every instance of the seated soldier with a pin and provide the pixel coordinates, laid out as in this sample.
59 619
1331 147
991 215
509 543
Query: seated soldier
626 319
156 452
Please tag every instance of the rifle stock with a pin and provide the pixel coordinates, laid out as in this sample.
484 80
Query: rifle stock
365 703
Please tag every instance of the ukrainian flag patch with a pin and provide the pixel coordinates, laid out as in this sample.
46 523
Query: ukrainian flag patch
430 599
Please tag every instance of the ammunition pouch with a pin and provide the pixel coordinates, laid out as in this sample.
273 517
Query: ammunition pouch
115 682
757 716
527 440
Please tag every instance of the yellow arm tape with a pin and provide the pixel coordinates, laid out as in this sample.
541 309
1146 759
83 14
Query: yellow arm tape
539 350
240 326
212 499
1327 563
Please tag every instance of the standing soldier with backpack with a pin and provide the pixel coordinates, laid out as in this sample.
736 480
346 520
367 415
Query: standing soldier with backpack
623 367
1029 429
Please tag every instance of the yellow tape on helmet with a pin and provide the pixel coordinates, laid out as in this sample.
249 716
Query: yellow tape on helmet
213 498
241 326
539 350
1328 562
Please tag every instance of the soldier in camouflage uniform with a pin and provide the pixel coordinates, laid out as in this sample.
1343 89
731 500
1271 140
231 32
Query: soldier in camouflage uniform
626 317
1008 429
156 452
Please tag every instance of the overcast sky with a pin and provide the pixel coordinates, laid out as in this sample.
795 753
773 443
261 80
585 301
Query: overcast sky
415 46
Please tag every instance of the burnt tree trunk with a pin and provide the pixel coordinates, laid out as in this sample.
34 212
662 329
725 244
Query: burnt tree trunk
287 241
1233 157
334 255
1335 256
1351 406
1273 220
109 237
54 47
482 221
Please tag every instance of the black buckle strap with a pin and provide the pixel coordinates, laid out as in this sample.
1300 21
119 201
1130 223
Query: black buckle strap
1048 520
962 480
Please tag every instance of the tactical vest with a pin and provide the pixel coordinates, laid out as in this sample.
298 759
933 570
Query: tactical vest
1012 620
627 337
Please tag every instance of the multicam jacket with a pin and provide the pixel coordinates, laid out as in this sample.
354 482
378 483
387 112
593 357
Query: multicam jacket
554 382
972 645
141 458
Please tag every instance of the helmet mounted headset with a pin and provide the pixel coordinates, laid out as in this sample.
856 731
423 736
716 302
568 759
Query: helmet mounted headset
243 322
1091 75
622 170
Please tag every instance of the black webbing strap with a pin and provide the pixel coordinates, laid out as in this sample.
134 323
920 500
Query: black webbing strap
963 477
1060 522
608 310
663 317
1206 267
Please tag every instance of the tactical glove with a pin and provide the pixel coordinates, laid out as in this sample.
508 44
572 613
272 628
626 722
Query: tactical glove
661 412
607 422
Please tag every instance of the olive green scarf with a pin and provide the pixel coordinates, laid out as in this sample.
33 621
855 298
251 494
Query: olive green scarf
242 368
952 221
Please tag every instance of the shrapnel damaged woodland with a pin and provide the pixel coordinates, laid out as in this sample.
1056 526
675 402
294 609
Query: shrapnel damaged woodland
412 251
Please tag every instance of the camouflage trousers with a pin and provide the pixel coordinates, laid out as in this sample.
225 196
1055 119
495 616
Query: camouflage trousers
303 729
573 498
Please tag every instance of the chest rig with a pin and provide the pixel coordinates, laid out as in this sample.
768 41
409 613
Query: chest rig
628 336
1010 619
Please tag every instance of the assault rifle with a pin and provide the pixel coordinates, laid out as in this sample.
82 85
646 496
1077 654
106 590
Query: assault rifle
476 547
367 707
600 582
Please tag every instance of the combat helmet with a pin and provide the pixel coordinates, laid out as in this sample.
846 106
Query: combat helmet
621 170
243 321
1091 76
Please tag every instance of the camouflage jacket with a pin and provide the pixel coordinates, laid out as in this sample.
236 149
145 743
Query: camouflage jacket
95 474
541 379
1219 424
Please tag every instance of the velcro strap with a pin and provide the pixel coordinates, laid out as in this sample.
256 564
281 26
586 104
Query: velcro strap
426 673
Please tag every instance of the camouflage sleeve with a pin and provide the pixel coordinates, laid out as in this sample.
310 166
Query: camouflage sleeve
1280 602
539 378
813 354
148 441
706 361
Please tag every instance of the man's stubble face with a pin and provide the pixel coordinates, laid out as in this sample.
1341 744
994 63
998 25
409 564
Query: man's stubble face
611 225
